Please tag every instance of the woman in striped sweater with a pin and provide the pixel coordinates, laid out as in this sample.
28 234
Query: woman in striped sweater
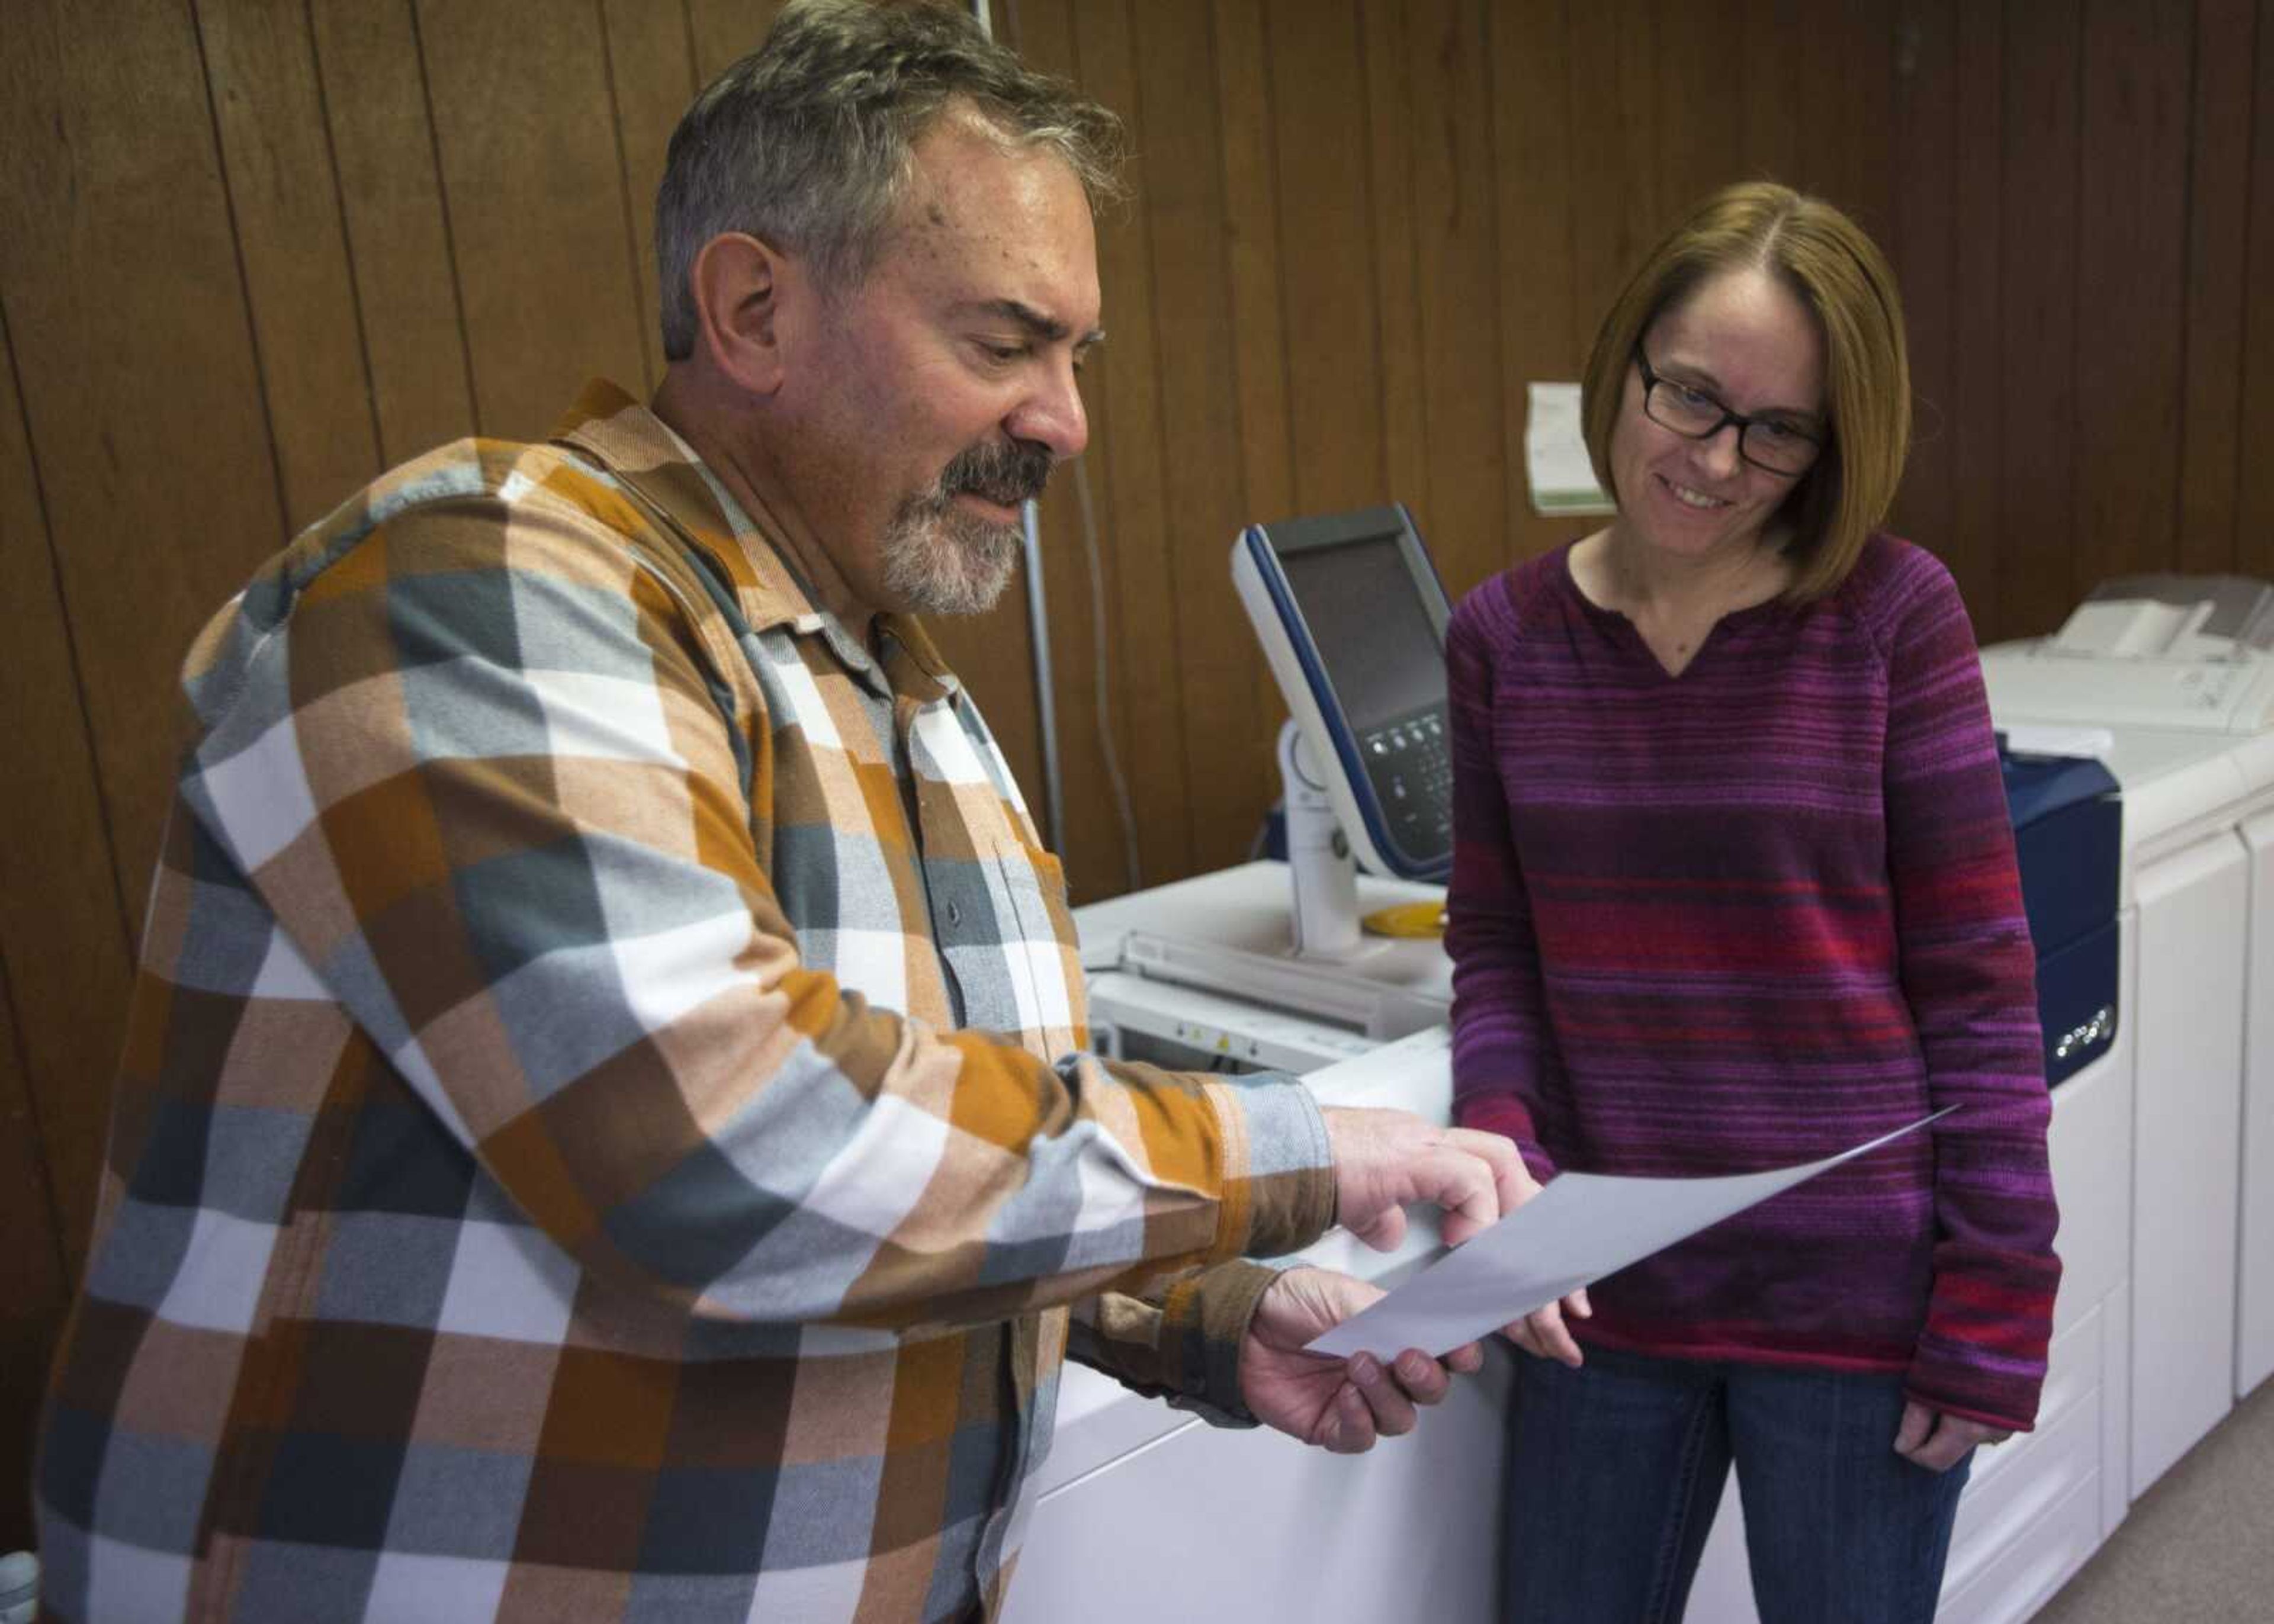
1734 887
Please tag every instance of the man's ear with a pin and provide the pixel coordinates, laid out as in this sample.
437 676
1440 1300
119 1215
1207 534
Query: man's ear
741 285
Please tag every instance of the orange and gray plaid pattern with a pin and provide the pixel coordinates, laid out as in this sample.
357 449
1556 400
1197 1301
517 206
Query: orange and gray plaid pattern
604 1130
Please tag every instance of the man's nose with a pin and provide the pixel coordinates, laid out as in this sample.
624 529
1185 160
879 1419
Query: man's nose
1052 415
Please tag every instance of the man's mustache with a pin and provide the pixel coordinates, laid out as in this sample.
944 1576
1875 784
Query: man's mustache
1010 473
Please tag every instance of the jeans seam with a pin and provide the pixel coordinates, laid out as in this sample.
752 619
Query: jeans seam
1669 1552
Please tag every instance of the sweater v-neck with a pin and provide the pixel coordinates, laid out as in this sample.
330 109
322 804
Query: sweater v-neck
1620 630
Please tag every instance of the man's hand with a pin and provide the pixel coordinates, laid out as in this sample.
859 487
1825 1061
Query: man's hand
1388 1160
1937 1439
1338 1405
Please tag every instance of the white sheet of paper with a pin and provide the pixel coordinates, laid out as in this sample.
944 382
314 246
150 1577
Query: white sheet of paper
1581 1228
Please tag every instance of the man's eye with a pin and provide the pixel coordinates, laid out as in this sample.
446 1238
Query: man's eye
1001 352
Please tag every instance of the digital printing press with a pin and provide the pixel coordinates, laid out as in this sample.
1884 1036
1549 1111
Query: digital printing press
2172 681
2145 831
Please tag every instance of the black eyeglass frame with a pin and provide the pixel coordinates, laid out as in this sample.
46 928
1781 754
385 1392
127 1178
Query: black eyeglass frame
1652 379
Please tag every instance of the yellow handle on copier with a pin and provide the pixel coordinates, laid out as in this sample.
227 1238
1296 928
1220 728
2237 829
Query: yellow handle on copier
1408 919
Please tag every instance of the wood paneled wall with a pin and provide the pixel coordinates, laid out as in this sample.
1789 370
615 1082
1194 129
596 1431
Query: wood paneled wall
254 251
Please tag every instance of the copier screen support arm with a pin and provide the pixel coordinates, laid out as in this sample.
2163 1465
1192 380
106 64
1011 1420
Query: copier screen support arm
1321 869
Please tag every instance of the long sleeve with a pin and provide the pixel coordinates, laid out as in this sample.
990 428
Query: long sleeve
1502 1050
1967 971
476 764
1179 1340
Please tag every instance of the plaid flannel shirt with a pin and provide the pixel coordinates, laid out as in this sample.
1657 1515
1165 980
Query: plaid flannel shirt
604 1131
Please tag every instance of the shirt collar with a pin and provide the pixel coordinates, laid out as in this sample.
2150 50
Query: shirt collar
639 449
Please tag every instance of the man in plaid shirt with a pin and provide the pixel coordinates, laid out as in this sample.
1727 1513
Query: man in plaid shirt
604 1131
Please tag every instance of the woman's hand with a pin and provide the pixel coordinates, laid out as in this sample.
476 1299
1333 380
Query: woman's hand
1542 1332
1939 1441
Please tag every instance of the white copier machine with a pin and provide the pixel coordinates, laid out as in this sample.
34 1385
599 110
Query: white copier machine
2170 681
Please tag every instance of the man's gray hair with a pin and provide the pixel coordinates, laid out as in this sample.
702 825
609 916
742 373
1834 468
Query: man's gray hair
806 143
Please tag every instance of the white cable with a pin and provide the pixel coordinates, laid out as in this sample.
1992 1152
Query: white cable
1096 607
1104 712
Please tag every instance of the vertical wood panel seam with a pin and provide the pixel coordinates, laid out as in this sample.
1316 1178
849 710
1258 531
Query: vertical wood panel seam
1262 682
1663 210
1903 93
103 806
442 200
2188 199
649 321
1574 318
1161 437
2258 181
347 238
1574 343
1161 396
1512 522
2254 311
1239 425
1372 217
695 77
2249 313
2075 430
1121 722
1279 251
2252 173
119 911
1455 167
1954 282
1995 507
2261 178
39 1160
244 279
695 55
1487 187
1374 241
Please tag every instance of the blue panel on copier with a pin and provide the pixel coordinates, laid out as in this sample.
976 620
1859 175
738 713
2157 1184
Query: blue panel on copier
2076 1001
2068 836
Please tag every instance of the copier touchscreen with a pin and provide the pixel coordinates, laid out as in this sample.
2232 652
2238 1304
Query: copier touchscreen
1374 637
1352 619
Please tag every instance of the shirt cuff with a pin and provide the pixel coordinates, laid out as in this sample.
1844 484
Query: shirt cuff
1279 1177
1956 1381
1181 1340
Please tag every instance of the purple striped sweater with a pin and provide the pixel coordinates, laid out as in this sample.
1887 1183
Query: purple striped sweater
1747 916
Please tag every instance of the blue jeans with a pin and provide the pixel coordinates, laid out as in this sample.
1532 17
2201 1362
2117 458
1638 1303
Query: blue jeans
1615 1468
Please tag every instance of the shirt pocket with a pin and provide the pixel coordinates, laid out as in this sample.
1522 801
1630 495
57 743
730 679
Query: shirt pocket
1044 953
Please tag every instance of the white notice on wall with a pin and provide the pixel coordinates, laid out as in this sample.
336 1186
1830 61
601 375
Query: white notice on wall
1556 454
1581 1228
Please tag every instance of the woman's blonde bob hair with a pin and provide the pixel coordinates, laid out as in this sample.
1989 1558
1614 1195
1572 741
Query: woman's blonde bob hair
1839 275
